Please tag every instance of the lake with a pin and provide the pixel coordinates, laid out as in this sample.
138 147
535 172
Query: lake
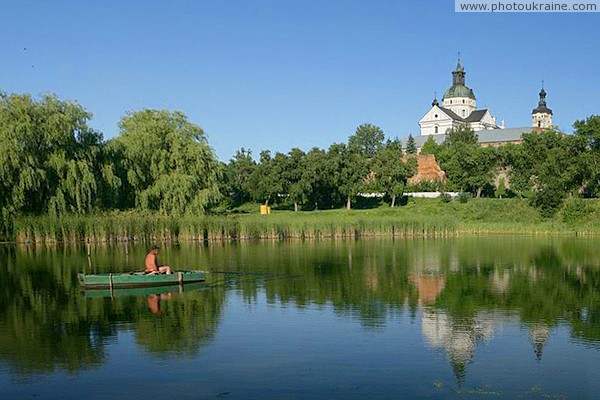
474 317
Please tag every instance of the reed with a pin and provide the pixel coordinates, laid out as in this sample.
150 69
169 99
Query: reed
418 218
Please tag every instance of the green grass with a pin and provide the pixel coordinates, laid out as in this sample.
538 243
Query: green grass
420 217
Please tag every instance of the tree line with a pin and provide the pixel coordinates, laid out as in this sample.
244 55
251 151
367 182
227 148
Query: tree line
53 162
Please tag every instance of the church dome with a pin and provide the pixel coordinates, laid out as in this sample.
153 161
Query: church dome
458 88
459 91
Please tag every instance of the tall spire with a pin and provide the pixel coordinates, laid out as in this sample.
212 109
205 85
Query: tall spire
458 75
541 117
542 105
459 67
542 102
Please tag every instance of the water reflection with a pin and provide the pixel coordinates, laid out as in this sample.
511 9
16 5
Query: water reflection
461 291
46 323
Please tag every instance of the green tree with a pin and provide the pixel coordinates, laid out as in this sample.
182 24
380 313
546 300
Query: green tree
296 181
238 173
50 159
546 164
587 138
411 146
366 140
267 178
512 158
392 170
468 166
170 167
349 170
318 176
430 146
501 189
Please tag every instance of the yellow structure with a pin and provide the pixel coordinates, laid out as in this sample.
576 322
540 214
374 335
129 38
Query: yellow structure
265 210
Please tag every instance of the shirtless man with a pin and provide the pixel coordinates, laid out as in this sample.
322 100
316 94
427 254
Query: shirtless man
152 265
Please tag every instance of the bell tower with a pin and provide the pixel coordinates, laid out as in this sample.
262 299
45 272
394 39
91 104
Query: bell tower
541 116
459 98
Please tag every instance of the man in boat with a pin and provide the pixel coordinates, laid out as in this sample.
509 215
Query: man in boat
152 265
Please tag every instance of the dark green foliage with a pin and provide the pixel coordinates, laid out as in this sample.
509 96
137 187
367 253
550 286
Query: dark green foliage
170 167
392 170
237 185
426 186
548 200
544 167
297 183
464 197
430 146
266 179
468 166
317 177
411 147
50 160
587 138
577 210
445 198
501 189
366 140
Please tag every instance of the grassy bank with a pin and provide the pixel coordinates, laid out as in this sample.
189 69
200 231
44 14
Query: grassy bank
422 217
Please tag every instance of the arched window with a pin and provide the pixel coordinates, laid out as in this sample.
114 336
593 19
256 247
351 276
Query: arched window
464 112
539 124
436 129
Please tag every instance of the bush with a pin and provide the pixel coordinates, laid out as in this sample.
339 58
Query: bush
464 197
548 201
425 186
445 198
501 189
576 210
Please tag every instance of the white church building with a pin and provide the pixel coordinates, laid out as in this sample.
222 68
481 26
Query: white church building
459 108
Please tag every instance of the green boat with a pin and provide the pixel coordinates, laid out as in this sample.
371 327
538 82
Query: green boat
123 280
143 291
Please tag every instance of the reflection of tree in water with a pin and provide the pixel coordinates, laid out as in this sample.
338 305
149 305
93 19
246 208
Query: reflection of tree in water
462 280
186 322
47 325
41 328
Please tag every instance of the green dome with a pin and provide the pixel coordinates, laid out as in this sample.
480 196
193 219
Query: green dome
459 91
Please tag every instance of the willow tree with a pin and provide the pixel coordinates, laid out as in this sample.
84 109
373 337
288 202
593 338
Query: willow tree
168 164
50 159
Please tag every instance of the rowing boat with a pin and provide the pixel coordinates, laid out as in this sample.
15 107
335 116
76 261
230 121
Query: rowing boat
138 279
143 291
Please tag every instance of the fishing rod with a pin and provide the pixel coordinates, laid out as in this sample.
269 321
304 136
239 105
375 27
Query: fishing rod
240 273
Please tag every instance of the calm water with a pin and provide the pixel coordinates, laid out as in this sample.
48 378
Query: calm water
494 317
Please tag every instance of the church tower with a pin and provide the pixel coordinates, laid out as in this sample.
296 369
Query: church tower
459 98
541 117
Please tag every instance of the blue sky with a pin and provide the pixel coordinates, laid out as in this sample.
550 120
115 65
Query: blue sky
282 74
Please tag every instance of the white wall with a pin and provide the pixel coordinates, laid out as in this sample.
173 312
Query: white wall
460 104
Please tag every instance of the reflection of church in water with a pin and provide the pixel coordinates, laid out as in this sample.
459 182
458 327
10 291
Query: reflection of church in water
459 338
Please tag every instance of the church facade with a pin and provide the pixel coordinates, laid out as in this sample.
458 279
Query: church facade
459 108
